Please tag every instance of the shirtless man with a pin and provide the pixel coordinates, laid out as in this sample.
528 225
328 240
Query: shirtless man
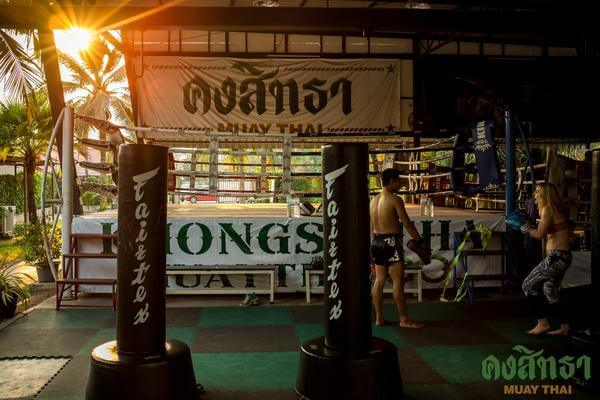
387 211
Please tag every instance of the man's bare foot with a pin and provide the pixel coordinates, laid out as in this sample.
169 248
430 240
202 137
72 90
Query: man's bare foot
381 322
563 331
540 328
410 324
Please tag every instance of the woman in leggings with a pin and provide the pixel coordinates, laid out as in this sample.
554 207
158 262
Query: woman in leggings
542 284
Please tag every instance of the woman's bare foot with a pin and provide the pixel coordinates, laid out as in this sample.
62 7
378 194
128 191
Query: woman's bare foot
541 327
563 331
410 324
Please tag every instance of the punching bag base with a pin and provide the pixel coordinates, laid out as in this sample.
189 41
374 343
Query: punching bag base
168 377
323 375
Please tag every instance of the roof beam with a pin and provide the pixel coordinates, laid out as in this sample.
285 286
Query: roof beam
284 19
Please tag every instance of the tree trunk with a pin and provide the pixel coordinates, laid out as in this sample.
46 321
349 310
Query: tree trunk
29 173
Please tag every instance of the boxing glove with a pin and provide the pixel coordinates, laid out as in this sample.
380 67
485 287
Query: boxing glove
526 227
518 222
420 249
514 220
306 209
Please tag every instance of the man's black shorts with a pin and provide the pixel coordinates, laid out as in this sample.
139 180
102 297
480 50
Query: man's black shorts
387 249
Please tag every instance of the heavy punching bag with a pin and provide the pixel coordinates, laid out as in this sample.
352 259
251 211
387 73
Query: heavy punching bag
347 363
141 363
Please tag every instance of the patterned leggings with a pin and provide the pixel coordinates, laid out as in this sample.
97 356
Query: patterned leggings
542 284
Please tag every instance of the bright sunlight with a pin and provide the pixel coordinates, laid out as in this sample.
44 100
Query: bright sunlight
74 40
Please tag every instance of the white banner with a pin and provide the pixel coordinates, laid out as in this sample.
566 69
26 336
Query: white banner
298 96
288 243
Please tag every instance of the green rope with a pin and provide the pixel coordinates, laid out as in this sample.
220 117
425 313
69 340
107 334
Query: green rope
486 234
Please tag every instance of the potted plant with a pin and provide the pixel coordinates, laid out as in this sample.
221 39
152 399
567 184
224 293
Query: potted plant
13 288
29 238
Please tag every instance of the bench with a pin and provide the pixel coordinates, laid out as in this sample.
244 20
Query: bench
307 275
418 290
225 270
70 262
502 252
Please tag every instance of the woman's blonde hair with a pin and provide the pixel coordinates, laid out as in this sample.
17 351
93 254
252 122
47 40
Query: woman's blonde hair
549 197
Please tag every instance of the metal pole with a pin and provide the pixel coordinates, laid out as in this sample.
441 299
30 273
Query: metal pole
595 219
67 180
48 162
213 167
287 165
509 163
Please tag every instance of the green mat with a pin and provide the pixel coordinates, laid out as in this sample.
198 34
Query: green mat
252 352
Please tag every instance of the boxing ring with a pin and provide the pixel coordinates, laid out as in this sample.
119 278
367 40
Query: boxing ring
238 235
242 235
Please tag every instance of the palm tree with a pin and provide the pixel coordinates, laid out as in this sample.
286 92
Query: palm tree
25 128
19 73
98 85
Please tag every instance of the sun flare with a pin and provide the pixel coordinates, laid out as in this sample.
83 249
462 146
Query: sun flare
73 40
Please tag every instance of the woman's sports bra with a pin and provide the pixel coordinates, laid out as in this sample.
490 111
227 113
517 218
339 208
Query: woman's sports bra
562 226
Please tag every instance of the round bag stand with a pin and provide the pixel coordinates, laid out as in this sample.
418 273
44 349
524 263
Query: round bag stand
154 378
325 375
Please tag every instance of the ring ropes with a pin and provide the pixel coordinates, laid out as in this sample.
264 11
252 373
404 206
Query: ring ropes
287 176
424 161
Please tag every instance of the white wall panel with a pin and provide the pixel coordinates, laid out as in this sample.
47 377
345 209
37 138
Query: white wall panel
391 45
304 43
357 45
260 42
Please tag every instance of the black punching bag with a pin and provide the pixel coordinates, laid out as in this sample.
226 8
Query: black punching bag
141 364
348 363
346 248
141 255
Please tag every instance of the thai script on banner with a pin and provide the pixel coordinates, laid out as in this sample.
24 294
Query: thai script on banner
303 96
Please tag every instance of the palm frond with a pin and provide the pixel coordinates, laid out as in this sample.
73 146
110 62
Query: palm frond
70 87
93 56
112 61
99 93
22 75
25 127
122 111
117 76
96 106
80 75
